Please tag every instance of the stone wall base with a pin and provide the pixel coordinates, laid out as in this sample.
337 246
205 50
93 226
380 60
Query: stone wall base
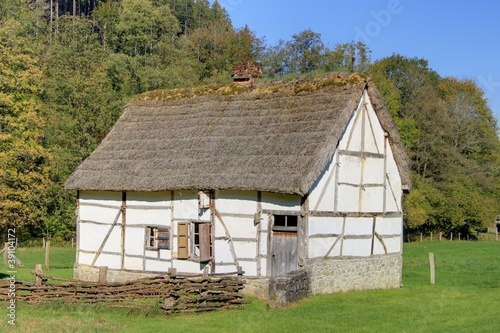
90 273
256 287
343 274
325 276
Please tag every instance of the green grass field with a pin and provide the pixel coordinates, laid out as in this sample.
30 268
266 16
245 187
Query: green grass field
466 298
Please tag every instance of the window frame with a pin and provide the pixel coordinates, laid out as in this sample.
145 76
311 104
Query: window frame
155 235
290 223
194 241
201 247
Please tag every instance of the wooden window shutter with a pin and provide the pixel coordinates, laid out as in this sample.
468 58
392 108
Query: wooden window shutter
205 242
182 240
163 238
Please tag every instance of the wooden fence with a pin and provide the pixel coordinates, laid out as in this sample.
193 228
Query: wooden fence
175 293
440 236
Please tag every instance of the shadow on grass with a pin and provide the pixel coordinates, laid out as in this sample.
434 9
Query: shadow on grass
4 276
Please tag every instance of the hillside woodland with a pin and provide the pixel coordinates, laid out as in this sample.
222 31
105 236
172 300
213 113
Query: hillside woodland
68 67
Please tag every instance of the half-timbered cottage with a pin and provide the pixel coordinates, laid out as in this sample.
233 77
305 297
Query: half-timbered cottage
305 175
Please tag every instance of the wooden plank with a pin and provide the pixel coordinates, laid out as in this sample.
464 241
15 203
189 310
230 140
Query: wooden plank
47 255
183 240
205 242
124 222
381 240
103 273
432 267
231 245
258 219
101 247
354 214
282 212
360 154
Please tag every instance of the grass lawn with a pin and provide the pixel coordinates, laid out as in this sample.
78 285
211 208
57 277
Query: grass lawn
466 298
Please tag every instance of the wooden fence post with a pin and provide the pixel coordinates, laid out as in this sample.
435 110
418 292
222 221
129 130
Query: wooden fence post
103 273
47 255
5 253
38 279
431 236
451 236
421 237
432 267
440 235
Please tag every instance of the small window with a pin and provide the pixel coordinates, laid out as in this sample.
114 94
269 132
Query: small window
285 222
202 241
194 241
157 238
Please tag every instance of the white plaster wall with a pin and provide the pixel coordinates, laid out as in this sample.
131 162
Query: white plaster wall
373 199
273 201
165 254
135 240
110 260
348 141
348 198
374 133
238 227
350 169
86 258
148 217
359 226
357 247
250 268
245 249
222 252
322 199
90 211
325 225
133 263
186 205
393 244
101 197
389 226
394 188
319 247
187 266
374 171
92 236
157 266
148 199
236 202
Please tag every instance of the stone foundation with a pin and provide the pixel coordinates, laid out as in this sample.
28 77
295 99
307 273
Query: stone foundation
343 274
321 276
90 273
257 287
288 288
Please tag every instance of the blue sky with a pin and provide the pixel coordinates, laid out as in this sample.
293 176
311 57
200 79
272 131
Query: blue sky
458 38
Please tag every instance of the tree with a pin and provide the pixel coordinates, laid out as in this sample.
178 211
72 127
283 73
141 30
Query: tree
451 138
25 164
353 57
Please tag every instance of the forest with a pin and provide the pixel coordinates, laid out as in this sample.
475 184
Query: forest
68 67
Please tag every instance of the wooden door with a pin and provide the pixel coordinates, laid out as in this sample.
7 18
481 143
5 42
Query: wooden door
284 253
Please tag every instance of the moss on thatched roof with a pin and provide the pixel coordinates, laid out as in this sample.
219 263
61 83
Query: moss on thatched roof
275 137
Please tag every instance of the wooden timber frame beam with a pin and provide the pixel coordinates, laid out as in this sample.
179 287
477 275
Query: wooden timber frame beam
228 235
101 247
124 222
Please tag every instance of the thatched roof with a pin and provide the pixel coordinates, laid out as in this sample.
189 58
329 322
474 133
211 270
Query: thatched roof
277 137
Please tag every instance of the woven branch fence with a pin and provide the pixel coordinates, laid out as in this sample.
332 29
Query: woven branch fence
175 293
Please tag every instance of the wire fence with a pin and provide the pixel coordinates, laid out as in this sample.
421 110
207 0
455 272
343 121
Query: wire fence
441 236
